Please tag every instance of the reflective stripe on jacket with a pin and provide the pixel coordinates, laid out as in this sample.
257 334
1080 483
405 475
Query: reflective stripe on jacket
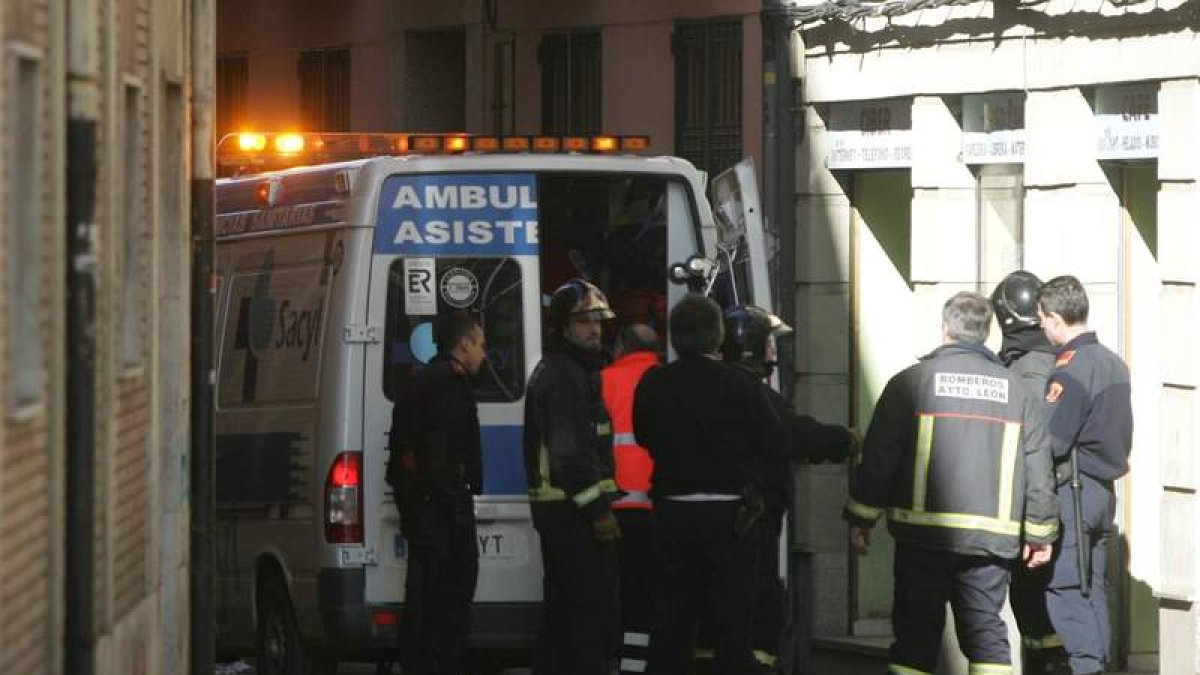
957 457
632 461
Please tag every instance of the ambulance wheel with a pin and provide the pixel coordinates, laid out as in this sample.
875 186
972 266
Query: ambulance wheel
279 648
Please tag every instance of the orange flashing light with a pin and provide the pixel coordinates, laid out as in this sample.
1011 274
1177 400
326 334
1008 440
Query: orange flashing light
575 144
289 143
428 144
456 144
516 144
485 144
546 144
604 143
251 142
635 143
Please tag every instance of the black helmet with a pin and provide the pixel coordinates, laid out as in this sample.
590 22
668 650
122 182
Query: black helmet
746 330
575 298
1015 301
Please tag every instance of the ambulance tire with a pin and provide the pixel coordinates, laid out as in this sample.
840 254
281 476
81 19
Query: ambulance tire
279 649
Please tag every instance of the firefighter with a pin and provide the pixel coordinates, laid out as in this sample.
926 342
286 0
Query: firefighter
637 352
1028 354
957 457
1090 423
749 345
435 467
706 426
569 461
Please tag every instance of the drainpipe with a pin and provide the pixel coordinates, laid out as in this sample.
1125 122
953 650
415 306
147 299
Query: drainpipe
82 92
203 471
780 106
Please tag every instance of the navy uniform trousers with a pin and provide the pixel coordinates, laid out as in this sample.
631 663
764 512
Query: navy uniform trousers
1082 622
975 587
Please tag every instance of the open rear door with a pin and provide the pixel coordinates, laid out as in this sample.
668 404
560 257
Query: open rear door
741 237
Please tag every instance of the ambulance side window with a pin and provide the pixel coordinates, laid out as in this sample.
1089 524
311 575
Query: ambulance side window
488 288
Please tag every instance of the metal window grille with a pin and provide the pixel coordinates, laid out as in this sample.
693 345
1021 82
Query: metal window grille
325 89
708 93
571 97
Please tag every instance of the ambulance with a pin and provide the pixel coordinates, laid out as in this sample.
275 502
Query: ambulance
335 253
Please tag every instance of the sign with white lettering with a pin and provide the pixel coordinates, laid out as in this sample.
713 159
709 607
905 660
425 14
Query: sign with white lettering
1127 121
993 128
870 135
420 298
969 386
458 214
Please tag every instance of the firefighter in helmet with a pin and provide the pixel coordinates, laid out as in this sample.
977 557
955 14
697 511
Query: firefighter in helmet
569 464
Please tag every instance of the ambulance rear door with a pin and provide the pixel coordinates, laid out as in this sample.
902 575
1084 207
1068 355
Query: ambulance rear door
446 242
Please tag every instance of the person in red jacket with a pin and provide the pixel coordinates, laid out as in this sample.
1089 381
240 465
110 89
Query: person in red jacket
637 352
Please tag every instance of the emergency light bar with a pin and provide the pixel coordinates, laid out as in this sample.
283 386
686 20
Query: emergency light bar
258 151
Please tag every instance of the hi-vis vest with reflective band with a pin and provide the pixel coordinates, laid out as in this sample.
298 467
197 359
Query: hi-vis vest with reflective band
633 463
950 459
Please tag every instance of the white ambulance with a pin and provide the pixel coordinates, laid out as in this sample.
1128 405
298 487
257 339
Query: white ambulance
328 279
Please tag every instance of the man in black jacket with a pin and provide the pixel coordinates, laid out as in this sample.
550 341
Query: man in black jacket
435 468
958 459
708 428
749 346
1028 354
569 466
1089 415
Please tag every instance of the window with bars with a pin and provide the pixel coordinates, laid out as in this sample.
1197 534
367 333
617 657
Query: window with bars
233 78
571 100
708 93
325 89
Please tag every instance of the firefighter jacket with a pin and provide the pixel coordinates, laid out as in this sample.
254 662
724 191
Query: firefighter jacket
633 463
1088 406
957 458
568 435
434 442
707 426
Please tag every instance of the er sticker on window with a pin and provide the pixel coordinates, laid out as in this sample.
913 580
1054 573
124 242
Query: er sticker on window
420 298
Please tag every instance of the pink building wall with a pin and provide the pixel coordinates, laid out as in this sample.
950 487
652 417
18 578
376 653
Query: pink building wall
638 70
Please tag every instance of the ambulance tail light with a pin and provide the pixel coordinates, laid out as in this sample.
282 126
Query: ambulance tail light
344 500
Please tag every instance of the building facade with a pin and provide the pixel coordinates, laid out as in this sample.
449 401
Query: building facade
949 144
96 111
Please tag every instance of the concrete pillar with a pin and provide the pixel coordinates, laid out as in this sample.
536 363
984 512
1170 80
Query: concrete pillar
1179 260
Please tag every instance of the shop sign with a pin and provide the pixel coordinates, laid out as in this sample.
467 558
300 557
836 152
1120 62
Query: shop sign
870 135
993 128
1127 121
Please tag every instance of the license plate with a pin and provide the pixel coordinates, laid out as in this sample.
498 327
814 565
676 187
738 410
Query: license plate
502 544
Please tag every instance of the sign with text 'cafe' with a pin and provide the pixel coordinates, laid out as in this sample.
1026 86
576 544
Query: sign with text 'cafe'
993 128
870 134
1127 121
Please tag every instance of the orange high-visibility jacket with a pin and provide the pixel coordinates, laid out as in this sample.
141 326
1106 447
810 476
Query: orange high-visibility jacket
633 463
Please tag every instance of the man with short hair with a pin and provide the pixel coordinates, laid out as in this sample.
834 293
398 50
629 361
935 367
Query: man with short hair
435 467
707 427
1089 417
957 458
637 352
569 468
